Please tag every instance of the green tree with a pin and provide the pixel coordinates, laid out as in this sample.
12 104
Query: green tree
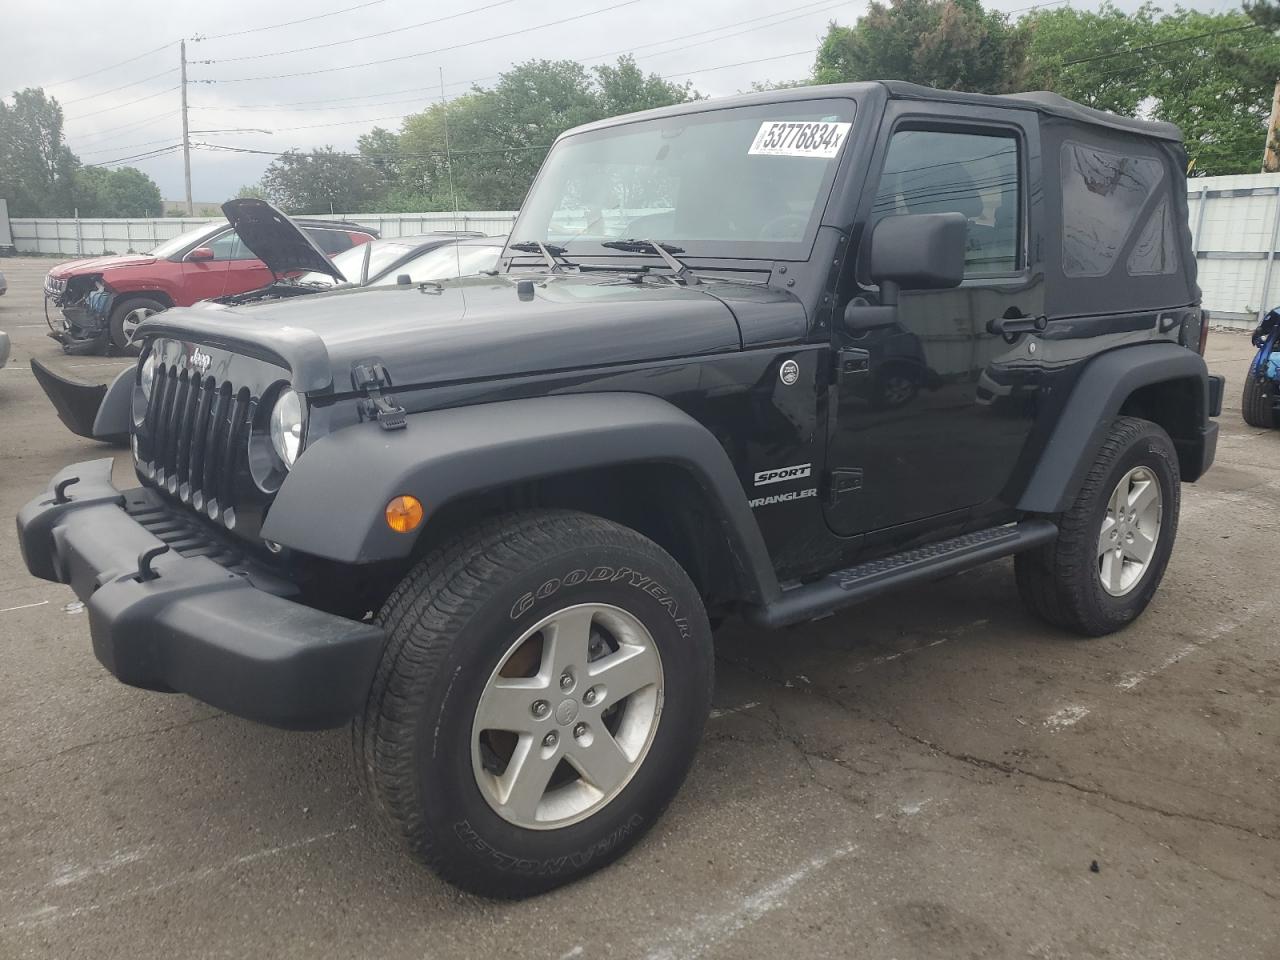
1063 48
319 181
1210 74
36 168
251 191
624 88
497 137
948 44
131 193
126 192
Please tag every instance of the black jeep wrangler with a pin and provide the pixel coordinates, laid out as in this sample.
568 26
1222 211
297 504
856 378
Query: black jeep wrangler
489 521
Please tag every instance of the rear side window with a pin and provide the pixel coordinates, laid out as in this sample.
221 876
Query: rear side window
936 171
330 241
1103 194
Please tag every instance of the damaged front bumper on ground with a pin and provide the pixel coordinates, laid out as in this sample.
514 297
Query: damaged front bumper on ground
85 304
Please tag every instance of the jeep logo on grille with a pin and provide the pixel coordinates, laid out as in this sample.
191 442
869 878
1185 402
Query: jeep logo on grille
200 360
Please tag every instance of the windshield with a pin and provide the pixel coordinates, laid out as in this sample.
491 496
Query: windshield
442 263
748 182
180 243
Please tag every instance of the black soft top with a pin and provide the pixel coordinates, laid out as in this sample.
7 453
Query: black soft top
1050 104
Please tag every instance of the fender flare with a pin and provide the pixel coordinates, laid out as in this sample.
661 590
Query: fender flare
332 502
1099 393
111 423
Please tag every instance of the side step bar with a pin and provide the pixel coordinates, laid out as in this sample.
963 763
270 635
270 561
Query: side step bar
854 584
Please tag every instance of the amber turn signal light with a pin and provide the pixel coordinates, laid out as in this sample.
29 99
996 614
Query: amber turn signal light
404 514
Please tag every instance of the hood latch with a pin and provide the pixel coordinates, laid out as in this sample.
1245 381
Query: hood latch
372 378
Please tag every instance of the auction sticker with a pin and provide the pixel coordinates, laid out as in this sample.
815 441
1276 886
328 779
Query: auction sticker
801 138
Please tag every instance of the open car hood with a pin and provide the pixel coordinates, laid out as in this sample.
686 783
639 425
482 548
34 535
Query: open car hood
276 240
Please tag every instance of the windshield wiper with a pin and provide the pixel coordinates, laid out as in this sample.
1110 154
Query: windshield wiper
680 270
552 253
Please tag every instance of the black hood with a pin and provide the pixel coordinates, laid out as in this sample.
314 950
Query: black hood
476 328
276 240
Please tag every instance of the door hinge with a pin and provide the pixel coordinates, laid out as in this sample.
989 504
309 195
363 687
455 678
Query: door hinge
842 482
371 378
851 361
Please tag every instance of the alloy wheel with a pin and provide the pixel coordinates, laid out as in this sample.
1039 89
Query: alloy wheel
1130 531
567 716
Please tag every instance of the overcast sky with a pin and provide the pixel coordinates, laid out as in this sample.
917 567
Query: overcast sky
55 43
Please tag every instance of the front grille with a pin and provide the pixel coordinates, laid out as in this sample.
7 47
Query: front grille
198 429
53 287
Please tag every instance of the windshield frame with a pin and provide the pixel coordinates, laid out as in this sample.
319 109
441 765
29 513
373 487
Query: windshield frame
845 106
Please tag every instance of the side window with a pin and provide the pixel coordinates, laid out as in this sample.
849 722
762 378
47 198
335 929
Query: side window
330 241
936 171
227 246
1102 195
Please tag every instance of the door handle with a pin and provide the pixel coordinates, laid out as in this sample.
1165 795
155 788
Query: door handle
1010 327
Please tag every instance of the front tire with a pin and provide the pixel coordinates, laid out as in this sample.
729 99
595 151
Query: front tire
1114 541
544 686
125 317
1257 403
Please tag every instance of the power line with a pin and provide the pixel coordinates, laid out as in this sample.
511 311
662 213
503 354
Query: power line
94 73
426 53
127 103
367 36
148 155
116 148
288 23
123 86
795 13
823 5
740 63
98 134
1161 43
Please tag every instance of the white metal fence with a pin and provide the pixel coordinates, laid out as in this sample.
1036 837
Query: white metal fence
1235 223
91 237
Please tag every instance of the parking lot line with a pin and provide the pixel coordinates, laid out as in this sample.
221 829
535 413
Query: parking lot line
24 606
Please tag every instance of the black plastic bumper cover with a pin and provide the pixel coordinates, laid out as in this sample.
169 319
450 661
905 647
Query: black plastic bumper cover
197 627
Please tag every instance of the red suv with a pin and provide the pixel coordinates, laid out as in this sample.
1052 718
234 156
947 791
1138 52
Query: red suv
103 299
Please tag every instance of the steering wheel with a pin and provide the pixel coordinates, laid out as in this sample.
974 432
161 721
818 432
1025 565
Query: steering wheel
772 229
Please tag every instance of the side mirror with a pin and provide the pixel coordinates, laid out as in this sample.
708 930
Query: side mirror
918 251
915 251
201 253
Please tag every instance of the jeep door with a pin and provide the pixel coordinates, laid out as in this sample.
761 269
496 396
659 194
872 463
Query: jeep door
933 407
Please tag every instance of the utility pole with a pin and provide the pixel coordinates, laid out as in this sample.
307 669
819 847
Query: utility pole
186 136
1271 156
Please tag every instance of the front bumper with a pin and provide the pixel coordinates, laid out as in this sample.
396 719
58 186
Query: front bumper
209 623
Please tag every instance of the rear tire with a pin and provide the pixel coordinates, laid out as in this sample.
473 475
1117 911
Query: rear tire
494 616
125 317
1079 581
1257 403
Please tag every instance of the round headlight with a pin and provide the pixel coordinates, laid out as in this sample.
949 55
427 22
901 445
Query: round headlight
286 427
147 374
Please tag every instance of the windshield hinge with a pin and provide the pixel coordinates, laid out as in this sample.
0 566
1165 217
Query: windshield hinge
371 378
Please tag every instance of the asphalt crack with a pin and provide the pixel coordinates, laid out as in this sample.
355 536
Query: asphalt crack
76 747
1000 766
